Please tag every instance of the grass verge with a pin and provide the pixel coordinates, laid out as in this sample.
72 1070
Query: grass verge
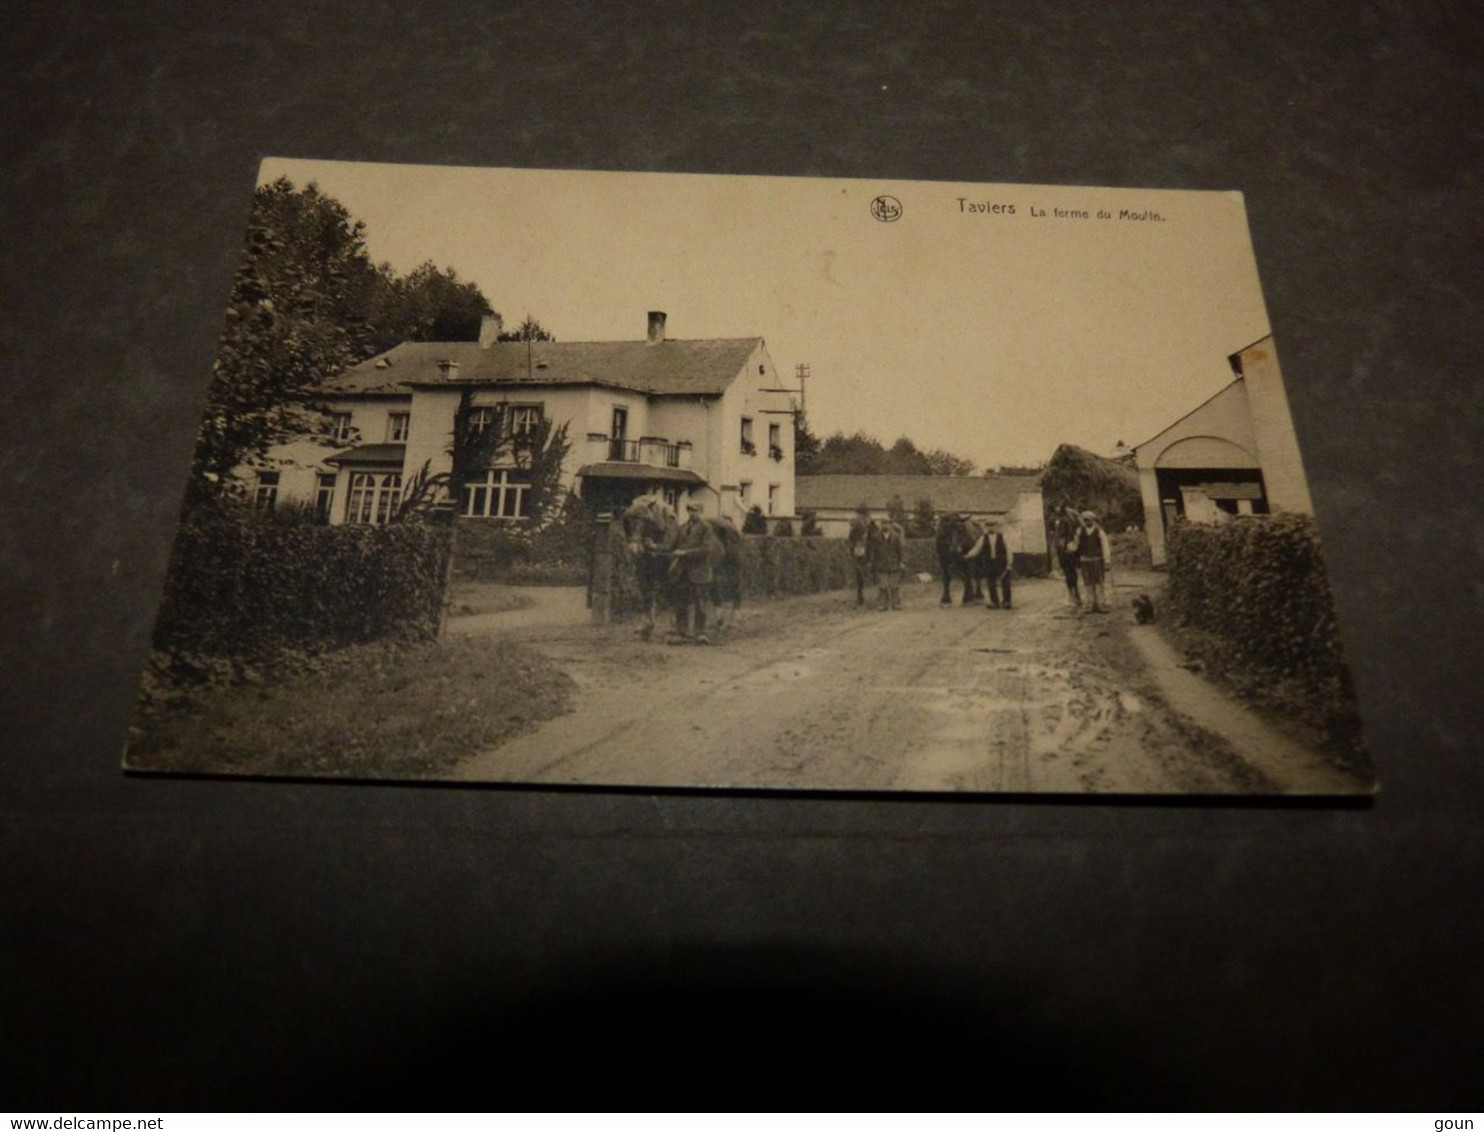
377 711
1326 719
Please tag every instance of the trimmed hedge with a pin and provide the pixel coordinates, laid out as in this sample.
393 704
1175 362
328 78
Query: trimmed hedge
1258 585
560 554
249 589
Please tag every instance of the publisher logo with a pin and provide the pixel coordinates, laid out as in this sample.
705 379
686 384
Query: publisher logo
886 209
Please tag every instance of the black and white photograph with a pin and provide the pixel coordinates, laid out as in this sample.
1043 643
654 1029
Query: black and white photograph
748 483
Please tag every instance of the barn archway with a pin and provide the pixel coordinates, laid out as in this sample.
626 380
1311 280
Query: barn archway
1222 475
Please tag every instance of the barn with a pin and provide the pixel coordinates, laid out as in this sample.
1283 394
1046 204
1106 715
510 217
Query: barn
1234 454
1013 501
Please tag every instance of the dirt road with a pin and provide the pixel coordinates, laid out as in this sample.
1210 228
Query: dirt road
811 693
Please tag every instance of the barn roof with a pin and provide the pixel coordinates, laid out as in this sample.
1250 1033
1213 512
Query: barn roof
979 494
673 367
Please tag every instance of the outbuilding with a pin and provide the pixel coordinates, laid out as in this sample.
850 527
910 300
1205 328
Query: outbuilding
1012 501
1234 454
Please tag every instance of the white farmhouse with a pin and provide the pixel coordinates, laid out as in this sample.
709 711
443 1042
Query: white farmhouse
701 421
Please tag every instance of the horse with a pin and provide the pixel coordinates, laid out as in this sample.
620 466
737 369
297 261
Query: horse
726 570
955 538
650 529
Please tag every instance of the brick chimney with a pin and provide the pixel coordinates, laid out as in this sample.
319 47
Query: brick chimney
489 329
656 327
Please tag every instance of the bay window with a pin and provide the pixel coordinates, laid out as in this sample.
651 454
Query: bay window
373 497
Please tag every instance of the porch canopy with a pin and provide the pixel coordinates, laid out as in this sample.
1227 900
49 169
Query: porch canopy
613 470
379 455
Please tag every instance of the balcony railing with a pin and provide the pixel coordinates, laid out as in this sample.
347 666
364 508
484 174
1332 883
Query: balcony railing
652 451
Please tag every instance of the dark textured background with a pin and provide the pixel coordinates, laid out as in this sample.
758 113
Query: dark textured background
172 944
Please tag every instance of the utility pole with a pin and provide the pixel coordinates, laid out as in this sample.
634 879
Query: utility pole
801 371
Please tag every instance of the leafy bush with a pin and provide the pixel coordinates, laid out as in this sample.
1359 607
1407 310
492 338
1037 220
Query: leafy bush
245 589
1257 585
558 554
1076 478
1131 549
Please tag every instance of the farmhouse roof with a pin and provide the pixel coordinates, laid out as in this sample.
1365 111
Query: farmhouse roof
976 494
673 367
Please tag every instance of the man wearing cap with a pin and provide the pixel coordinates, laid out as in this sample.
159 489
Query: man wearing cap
690 574
887 564
1094 552
996 566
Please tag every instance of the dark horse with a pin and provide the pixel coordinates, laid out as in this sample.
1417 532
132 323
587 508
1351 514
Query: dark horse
650 529
955 538
726 571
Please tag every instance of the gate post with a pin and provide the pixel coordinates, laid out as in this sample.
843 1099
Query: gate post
600 581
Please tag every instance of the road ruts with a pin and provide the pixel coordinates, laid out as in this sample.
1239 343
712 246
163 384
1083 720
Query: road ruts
815 694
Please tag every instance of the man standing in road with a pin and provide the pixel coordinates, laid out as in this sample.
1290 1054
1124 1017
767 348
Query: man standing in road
996 566
1095 554
690 575
887 562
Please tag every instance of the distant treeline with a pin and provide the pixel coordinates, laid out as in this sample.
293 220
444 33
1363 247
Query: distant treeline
861 454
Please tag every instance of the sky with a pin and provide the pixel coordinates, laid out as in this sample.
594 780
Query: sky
991 333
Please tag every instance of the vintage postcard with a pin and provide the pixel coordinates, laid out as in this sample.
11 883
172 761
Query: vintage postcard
672 481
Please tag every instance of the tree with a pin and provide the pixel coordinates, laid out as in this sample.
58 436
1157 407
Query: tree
861 454
306 303
806 446
1078 479
947 464
295 316
528 331
755 522
430 305
487 436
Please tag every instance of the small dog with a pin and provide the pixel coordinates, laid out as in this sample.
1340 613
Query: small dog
1143 609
